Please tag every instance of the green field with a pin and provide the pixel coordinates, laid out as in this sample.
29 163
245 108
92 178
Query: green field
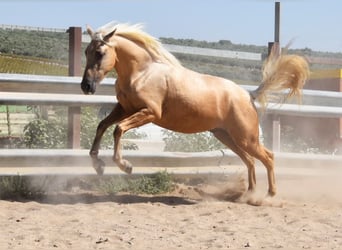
13 109
31 65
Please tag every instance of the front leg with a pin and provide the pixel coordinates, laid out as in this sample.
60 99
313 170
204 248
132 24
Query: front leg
138 119
115 116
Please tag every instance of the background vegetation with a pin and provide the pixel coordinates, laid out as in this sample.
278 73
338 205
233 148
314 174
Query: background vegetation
201 142
38 44
46 53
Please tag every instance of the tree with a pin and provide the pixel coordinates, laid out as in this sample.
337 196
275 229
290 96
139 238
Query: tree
46 131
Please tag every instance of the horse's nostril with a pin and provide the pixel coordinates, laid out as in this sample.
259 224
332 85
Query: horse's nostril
88 88
85 88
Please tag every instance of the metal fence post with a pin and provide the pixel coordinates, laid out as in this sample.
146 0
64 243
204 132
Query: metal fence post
74 113
274 121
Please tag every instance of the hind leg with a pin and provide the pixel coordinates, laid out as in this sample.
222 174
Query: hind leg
226 139
267 158
258 151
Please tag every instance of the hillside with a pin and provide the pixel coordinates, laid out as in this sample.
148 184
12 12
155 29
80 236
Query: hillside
42 52
48 45
46 53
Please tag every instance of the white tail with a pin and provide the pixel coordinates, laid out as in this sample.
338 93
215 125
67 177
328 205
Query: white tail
282 72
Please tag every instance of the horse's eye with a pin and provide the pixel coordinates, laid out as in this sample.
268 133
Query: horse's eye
98 54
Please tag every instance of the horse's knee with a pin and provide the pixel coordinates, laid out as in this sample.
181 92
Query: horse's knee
93 153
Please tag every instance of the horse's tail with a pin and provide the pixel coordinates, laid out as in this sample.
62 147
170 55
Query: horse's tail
282 72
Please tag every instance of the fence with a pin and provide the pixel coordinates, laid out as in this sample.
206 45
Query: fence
30 28
22 90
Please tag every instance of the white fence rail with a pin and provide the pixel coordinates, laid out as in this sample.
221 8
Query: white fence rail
49 84
19 98
71 85
12 98
78 162
213 52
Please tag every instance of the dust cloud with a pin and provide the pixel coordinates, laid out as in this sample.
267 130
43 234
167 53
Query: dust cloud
320 185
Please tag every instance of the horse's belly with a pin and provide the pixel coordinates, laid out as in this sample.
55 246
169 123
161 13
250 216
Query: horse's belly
188 129
189 123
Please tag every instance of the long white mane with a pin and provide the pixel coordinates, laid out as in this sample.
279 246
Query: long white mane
136 34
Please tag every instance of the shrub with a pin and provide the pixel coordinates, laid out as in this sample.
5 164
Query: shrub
19 187
158 183
41 133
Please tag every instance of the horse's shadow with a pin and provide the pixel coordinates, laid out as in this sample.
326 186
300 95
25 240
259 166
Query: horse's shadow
90 198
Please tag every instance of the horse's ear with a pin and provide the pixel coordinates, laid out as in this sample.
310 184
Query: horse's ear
108 36
90 31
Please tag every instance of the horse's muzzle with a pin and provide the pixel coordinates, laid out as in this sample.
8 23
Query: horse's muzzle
88 87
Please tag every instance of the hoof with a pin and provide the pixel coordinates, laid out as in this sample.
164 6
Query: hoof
128 170
99 166
126 167
250 198
99 170
271 193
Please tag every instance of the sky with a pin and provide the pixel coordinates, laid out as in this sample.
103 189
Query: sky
314 24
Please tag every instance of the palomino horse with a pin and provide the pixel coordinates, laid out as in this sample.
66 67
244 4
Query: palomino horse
153 87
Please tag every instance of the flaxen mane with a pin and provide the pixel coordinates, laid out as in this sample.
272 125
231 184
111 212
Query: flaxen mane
136 34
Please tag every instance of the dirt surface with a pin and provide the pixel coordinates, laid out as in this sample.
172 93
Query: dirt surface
305 214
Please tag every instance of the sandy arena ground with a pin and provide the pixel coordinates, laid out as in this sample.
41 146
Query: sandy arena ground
305 214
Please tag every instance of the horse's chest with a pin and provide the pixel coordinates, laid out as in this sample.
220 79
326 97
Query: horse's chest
128 100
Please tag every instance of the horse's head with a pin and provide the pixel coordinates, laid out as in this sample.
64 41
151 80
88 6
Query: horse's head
101 56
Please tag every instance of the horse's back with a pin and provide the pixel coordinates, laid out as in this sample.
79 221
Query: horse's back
198 102
204 88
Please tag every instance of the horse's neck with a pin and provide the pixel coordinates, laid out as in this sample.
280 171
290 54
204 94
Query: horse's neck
131 59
